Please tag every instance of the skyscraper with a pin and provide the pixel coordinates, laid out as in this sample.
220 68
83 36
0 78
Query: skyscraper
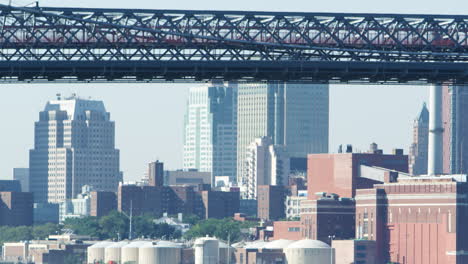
74 145
210 130
455 137
418 150
291 114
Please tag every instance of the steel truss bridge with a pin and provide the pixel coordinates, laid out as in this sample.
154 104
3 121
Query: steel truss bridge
82 44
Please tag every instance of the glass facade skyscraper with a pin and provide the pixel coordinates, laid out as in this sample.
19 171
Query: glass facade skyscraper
74 145
295 115
210 131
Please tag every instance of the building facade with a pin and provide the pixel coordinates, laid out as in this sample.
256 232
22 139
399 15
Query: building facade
74 145
265 164
419 148
16 209
416 220
455 136
102 203
210 131
328 216
293 115
270 202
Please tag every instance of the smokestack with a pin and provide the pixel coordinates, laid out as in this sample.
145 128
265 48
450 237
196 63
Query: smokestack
434 165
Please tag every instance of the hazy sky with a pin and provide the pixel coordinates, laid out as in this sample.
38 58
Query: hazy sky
149 117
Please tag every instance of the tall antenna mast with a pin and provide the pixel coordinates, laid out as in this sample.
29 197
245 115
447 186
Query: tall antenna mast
131 215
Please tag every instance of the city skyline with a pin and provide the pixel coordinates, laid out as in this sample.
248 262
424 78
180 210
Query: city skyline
22 130
151 142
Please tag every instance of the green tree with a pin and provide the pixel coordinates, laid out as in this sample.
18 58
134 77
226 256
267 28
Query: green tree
43 231
114 225
84 226
191 219
15 234
220 228
143 226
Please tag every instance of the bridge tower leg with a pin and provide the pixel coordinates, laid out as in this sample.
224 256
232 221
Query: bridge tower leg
435 158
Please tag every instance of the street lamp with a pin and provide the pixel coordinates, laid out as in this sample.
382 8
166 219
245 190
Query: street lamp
331 237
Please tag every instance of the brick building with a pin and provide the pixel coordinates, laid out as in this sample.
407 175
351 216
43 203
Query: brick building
102 203
220 204
270 202
16 208
287 230
416 220
341 173
156 173
327 216
198 200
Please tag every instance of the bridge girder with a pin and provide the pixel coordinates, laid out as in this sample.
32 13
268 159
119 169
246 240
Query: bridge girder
121 44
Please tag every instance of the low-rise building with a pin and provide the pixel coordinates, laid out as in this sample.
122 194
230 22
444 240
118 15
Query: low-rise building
55 250
77 207
355 251
102 203
327 216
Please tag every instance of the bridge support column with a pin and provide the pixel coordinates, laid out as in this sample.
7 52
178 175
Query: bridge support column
435 150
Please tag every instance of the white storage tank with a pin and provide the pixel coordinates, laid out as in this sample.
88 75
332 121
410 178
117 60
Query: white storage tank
130 251
206 250
113 253
279 244
310 252
161 252
96 252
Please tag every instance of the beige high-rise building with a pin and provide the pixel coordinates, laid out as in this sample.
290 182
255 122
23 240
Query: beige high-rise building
74 145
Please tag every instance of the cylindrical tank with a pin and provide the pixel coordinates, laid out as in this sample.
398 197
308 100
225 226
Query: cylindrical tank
130 252
310 252
279 244
113 253
160 252
206 250
224 252
96 252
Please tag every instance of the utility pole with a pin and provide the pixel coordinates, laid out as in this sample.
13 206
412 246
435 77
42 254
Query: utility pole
229 249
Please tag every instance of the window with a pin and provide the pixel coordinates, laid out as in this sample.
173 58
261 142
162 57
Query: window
361 247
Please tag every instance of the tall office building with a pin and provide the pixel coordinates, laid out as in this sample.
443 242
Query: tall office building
74 145
419 148
291 114
210 131
455 137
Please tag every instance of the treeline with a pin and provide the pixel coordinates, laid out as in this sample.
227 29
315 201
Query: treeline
116 226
